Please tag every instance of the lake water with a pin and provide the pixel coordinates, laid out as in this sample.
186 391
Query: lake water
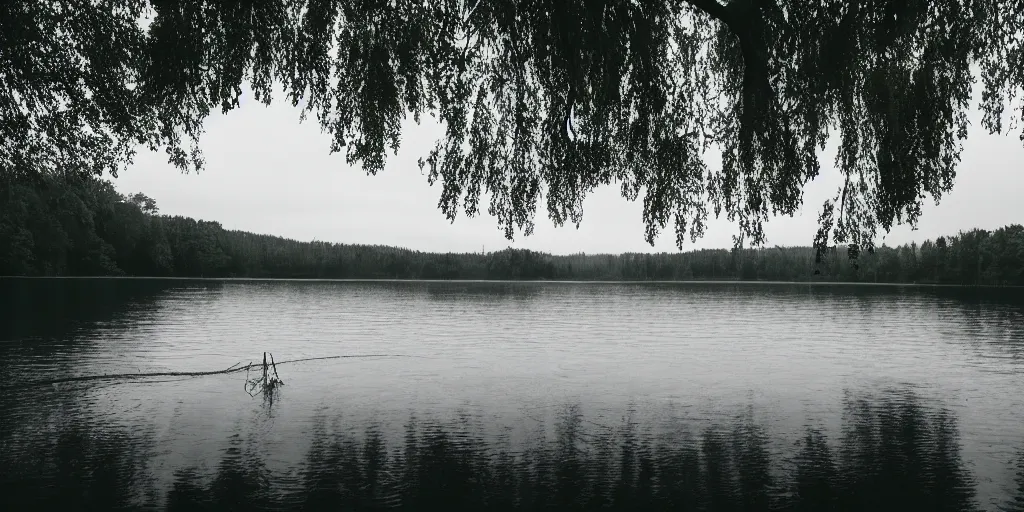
693 396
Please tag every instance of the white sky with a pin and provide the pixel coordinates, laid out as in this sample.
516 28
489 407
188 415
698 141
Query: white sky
267 173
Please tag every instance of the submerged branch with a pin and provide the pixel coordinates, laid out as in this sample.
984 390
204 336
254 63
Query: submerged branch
129 376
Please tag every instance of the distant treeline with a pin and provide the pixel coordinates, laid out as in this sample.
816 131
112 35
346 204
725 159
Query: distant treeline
84 227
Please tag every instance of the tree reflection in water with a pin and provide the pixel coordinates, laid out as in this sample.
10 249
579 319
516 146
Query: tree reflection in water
893 453
78 470
1016 503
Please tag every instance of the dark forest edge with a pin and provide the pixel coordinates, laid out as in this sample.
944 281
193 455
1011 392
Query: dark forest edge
53 226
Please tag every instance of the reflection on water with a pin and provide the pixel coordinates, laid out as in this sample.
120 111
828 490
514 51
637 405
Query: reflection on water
40 308
1016 504
77 468
518 396
892 453
241 481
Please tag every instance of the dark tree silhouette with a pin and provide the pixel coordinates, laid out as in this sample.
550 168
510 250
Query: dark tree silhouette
539 97
80 226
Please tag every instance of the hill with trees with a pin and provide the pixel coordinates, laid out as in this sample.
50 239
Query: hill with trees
81 226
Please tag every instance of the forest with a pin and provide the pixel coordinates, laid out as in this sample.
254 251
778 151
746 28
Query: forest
82 226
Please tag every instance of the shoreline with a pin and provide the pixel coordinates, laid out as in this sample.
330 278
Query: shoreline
521 281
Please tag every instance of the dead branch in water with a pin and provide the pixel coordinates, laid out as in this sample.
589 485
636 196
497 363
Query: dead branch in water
145 375
265 384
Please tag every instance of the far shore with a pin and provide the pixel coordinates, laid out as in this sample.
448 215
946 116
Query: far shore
525 281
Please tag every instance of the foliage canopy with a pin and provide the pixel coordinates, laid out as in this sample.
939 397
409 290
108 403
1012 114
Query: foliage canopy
539 98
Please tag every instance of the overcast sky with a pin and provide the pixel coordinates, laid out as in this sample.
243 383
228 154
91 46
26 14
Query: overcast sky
267 173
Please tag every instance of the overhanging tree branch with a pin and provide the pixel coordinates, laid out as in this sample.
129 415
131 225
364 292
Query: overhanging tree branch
625 81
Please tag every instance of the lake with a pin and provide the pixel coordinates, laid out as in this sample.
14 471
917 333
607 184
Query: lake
518 396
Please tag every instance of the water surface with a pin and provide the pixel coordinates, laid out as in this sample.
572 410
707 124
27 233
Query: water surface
705 396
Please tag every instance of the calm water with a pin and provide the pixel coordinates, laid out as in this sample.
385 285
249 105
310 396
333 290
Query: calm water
516 396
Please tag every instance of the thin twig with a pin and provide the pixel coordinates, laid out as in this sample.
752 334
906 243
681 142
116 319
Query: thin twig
274 366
